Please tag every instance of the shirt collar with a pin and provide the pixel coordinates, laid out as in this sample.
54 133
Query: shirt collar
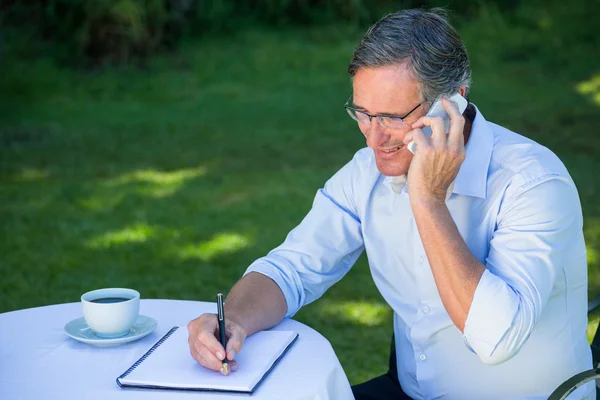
472 176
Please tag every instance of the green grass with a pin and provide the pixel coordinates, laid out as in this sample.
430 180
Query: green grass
174 178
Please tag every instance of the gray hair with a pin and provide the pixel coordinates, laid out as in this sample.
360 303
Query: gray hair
426 42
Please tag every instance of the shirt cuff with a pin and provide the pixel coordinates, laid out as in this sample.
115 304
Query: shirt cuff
491 315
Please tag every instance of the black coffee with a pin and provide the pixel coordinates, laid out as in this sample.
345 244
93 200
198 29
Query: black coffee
110 300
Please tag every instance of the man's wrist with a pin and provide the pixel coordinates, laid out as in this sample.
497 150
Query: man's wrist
236 318
427 203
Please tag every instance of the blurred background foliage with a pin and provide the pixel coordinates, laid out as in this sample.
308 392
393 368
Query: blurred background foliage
166 144
120 31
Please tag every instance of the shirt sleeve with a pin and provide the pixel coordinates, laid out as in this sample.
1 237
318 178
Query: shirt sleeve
322 248
530 248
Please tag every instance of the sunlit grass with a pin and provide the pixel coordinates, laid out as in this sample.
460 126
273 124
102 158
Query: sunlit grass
592 236
591 88
593 320
138 233
157 183
220 244
592 255
30 175
361 312
108 193
158 178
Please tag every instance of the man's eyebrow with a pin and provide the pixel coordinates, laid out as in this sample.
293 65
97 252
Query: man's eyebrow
358 106
393 114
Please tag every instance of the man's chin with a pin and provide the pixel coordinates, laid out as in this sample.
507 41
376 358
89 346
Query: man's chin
388 168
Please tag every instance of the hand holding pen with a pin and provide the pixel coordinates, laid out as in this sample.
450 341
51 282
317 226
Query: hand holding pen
206 345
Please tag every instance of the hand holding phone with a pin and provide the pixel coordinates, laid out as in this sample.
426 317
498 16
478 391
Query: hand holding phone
437 110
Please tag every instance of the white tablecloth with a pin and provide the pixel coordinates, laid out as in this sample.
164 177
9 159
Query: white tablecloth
39 361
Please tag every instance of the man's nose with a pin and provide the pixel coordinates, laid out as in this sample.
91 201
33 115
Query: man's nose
376 134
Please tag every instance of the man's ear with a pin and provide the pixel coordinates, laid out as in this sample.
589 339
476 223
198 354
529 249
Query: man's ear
462 90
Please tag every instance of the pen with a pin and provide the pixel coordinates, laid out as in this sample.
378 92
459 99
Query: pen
221 314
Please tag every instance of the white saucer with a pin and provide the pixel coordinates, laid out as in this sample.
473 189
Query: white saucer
80 331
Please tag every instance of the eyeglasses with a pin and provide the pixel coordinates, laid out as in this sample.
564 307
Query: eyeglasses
387 121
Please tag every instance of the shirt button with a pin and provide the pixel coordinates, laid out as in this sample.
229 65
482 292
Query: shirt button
422 357
421 259
426 310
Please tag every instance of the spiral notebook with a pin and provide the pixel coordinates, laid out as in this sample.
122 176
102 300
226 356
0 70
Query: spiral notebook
169 365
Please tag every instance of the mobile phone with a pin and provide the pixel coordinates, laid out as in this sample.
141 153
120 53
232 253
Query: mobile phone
437 110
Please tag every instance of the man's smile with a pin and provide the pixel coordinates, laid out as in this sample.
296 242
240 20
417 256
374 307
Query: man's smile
389 152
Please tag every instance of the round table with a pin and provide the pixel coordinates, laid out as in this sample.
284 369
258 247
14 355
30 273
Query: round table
38 360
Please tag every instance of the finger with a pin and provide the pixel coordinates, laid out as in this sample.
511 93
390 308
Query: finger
408 137
211 361
231 367
235 339
194 353
212 344
203 331
418 137
418 123
457 123
200 357
438 129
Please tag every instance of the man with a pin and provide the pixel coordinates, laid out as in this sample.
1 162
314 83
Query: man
475 241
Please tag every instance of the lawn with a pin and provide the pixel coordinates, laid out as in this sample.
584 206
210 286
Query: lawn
173 178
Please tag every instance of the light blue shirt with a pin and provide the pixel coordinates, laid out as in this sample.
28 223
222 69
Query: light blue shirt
518 211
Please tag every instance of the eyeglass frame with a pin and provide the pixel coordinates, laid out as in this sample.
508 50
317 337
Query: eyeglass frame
378 117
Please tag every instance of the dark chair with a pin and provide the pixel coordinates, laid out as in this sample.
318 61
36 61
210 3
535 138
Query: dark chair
566 387
577 380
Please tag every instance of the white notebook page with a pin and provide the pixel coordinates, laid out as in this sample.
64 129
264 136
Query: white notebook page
172 366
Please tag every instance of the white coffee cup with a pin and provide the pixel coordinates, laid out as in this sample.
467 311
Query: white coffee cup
111 312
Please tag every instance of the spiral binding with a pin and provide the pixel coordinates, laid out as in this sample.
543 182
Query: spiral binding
152 349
